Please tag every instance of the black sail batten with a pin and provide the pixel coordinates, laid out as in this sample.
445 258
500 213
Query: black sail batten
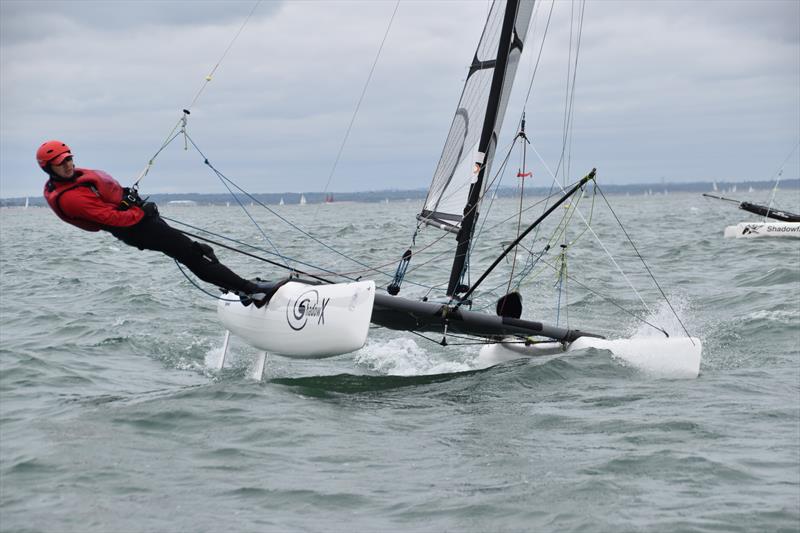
764 211
480 65
442 221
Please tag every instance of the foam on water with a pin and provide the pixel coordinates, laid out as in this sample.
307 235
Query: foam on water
662 316
404 357
650 351
213 357
784 317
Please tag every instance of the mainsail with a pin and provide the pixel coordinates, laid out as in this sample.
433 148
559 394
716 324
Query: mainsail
459 181
761 210
777 214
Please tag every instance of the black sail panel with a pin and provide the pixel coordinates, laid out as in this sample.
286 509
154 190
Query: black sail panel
455 173
764 211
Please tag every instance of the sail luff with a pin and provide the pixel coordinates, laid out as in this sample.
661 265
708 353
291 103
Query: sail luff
486 146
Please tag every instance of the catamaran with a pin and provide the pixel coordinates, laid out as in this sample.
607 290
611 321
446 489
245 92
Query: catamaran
311 317
775 222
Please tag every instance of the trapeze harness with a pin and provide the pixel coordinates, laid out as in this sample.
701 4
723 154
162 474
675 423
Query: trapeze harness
101 184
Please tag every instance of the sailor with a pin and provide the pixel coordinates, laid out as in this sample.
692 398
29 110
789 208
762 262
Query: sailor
92 200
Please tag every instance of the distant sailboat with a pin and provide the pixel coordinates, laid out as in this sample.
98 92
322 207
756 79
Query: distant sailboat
714 186
302 199
281 202
27 202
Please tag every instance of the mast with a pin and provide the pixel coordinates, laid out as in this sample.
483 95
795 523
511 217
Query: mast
486 148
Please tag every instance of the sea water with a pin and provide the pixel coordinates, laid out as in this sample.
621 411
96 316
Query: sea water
112 417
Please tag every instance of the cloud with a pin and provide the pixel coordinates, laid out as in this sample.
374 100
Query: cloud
672 89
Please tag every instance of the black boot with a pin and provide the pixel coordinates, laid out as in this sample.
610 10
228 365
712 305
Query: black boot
260 292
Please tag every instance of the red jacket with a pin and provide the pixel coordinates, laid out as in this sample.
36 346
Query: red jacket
90 201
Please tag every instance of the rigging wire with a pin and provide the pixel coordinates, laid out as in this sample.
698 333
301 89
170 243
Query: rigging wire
534 257
569 117
235 197
521 175
646 266
778 180
539 57
607 299
248 245
358 104
210 76
182 121
198 287
273 212
597 238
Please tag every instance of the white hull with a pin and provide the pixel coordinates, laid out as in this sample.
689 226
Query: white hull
304 321
673 357
750 230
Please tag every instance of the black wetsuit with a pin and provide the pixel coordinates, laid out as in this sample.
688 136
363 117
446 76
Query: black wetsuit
152 233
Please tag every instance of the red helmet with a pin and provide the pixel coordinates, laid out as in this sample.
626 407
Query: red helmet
54 152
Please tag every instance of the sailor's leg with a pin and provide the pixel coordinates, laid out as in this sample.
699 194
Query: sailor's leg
152 233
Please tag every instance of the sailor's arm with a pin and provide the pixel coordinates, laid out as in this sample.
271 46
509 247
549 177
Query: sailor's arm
82 203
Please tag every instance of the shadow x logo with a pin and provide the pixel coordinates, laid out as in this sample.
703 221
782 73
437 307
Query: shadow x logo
307 305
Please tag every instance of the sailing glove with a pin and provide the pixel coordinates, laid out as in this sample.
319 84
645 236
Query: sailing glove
130 198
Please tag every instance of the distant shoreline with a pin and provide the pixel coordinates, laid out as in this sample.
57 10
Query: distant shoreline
395 195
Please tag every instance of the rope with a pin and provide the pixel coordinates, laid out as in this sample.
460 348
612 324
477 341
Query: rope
597 238
646 266
294 270
521 175
358 105
220 176
778 180
186 112
298 228
198 287
225 53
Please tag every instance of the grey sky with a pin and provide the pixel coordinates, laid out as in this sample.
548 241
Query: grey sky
693 90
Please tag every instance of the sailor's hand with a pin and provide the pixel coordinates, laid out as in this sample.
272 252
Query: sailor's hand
150 209
130 198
